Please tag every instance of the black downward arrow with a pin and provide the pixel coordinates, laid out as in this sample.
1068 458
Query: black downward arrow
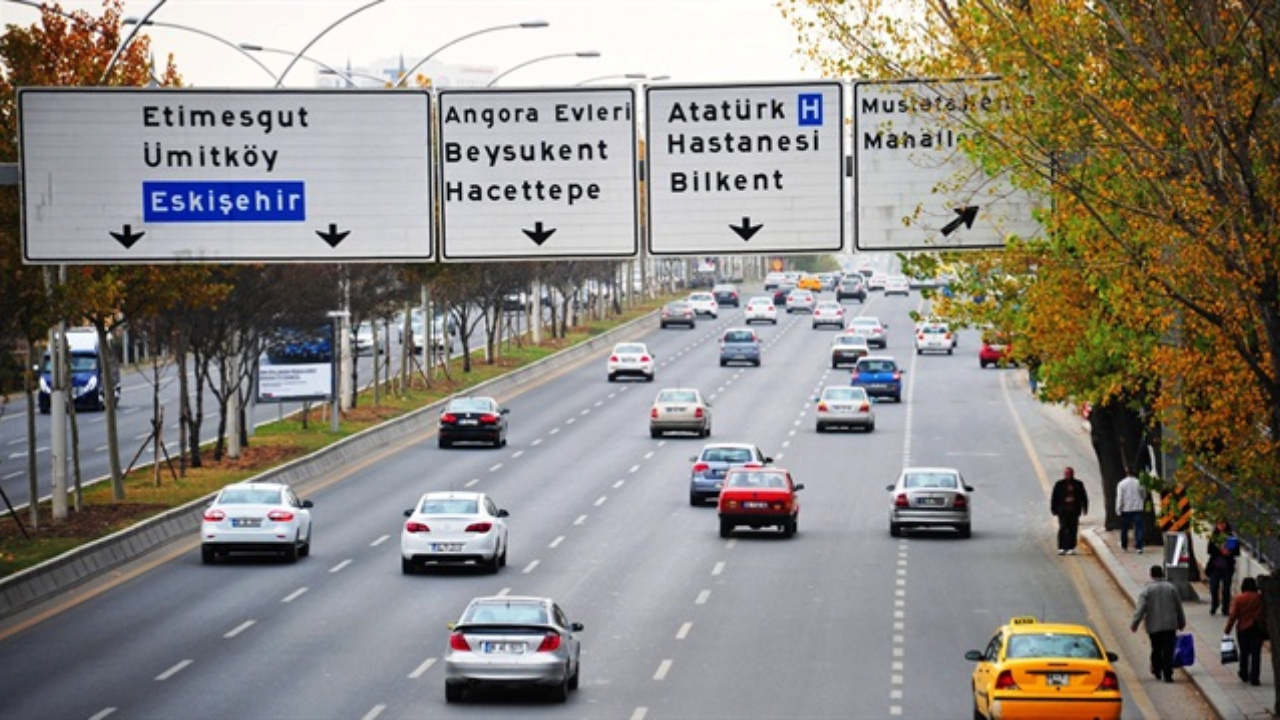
746 230
127 237
333 237
967 216
538 235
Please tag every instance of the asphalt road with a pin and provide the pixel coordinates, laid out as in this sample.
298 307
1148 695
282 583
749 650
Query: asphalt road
841 621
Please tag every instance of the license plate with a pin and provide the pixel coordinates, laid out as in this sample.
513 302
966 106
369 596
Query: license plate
514 648
446 547
931 501
246 522
1057 679
677 409
753 505
841 408
468 422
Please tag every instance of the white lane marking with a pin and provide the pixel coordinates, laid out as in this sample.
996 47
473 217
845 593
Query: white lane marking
556 542
516 454
580 519
102 448
702 597
293 595
648 455
239 629
173 670
471 482
569 421
495 468
664 667
898 639
143 436
379 541
895 694
599 403
718 568
536 442
529 568
619 484
601 500
16 441
425 666
340 566
554 431
102 713
683 632
374 712
585 411
897 652
731 543
895 709
12 475
504 592
896 666
779 456
637 715
634 468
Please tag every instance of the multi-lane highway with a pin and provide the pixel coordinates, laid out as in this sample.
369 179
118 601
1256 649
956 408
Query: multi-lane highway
840 621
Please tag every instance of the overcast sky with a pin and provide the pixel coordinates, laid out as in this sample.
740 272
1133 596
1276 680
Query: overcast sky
690 40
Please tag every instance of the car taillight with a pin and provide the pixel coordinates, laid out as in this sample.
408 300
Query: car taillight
960 502
215 516
654 413
700 467
1005 681
550 641
822 407
644 358
948 336
897 375
458 642
920 336
901 501
480 527
448 418
613 358
488 418
697 413
1109 682
280 516
864 407
416 527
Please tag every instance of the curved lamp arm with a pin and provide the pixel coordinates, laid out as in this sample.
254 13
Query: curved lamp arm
324 32
526 63
128 39
238 48
409 73
626 76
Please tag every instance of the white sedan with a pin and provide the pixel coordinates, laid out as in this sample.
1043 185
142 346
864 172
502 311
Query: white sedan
256 517
935 336
828 312
680 410
631 359
454 528
761 309
704 303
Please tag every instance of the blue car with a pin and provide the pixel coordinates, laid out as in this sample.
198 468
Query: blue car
880 376
710 466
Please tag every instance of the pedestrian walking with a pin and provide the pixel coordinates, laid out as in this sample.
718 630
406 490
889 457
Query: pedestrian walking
1131 497
1160 607
1248 617
1224 546
1067 503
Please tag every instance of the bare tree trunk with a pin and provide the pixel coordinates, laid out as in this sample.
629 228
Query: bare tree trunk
73 422
108 361
33 475
1116 432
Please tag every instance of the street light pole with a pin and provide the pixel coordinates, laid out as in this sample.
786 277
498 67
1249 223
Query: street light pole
250 47
527 63
238 48
623 76
515 26
125 43
323 32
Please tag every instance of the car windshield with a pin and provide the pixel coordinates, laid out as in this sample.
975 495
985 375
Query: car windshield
754 479
877 366
702 297
728 455
449 506
844 393
471 405
630 348
522 613
678 396
678 306
935 481
850 340
1046 645
738 336
934 329
249 496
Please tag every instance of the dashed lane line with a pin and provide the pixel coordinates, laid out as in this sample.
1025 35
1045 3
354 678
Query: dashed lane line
294 595
374 712
179 667
239 629
425 666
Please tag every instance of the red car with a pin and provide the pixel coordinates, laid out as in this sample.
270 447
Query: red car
757 496
996 351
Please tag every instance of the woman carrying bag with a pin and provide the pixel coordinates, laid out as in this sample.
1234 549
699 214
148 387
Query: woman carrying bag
1221 565
1247 615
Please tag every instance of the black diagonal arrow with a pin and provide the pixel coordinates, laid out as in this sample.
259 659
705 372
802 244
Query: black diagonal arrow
746 230
538 235
967 215
333 237
127 237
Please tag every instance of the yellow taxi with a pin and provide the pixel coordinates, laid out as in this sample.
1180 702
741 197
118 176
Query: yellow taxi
810 282
1041 670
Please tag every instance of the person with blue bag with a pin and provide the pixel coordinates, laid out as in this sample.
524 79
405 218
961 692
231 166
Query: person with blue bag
1160 607
1223 549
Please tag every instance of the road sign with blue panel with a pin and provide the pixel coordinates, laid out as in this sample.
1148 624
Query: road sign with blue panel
113 175
756 168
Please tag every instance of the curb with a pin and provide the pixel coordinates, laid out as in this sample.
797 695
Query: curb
29 587
1209 688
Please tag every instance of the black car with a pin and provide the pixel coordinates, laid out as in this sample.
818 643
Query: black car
473 419
851 286
780 294
726 295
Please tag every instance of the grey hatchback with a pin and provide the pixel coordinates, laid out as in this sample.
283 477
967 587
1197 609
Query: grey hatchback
929 497
740 345
507 640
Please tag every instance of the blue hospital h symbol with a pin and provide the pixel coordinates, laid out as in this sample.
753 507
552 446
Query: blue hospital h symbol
809 109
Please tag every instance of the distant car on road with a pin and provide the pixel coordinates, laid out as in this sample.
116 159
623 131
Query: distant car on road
929 497
847 348
758 497
680 410
880 376
473 419
871 328
828 312
799 300
852 286
704 303
726 295
678 312
256 517
844 406
631 360
714 462
761 309
936 337
454 528
740 345
897 285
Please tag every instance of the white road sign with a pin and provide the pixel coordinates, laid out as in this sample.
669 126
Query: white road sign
538 174
913 186
174 176
753 168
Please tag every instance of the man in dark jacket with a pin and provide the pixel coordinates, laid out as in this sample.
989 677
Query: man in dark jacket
1068 502
1160 606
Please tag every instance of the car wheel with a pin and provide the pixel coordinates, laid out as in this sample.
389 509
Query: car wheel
573 679
897 398
291 552
723 363
791 527
612 377
982 364
494 564
895 530
726 529
655 433
560 691
407 567
305 550
949 351
694 500
444 443
757 363
706 431
919 351
871 427
208 555
453 692
774 321
965 530
648 378
977 714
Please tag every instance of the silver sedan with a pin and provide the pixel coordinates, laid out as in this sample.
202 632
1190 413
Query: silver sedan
512 641
929 497
680 410
845 406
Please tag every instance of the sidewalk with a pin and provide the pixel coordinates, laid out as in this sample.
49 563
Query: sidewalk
1217 683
